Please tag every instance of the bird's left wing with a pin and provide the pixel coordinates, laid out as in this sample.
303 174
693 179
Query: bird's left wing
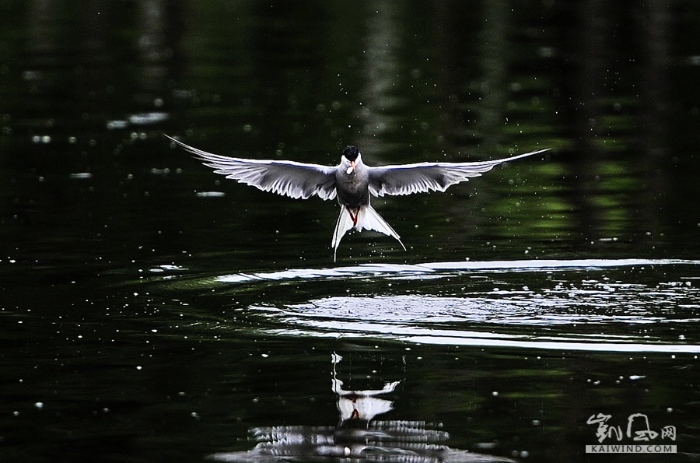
288 178
429 176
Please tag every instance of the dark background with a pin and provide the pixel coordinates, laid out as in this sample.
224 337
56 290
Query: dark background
115 311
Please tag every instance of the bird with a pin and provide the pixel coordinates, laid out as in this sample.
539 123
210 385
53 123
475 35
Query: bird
352 182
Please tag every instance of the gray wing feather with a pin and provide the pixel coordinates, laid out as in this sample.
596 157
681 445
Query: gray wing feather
429 176
288 178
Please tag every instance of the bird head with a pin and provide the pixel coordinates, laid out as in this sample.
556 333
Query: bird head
351 157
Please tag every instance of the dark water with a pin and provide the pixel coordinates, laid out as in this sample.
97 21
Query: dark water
152 311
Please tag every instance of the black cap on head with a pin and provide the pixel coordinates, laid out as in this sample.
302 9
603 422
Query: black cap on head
351 152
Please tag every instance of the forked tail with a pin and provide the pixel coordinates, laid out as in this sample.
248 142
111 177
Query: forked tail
363 218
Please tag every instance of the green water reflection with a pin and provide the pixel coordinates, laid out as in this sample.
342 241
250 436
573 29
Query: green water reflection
124 337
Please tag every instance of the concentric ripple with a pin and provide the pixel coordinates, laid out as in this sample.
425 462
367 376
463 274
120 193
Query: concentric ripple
630 305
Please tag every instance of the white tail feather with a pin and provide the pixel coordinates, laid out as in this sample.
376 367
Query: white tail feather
367 219
343 224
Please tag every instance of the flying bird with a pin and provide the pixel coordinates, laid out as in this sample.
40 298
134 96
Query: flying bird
351 181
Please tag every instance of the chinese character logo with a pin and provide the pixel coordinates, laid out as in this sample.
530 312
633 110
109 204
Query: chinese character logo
638 429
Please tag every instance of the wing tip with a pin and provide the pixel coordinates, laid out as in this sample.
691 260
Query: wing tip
530 153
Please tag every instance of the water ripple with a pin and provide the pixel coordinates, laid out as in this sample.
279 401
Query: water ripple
441 268
586 306
622 305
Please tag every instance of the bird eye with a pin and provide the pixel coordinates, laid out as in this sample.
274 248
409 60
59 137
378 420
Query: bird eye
351 153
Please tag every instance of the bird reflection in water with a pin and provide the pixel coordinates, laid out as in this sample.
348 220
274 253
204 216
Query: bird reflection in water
358 436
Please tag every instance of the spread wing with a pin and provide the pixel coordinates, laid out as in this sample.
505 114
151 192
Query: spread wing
288 178
429 176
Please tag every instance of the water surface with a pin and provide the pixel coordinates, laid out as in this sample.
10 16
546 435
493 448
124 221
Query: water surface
153 311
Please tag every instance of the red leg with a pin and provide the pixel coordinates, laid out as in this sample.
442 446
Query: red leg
354 215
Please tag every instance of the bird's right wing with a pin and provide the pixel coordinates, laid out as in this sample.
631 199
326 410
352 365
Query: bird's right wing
288 178
429 176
